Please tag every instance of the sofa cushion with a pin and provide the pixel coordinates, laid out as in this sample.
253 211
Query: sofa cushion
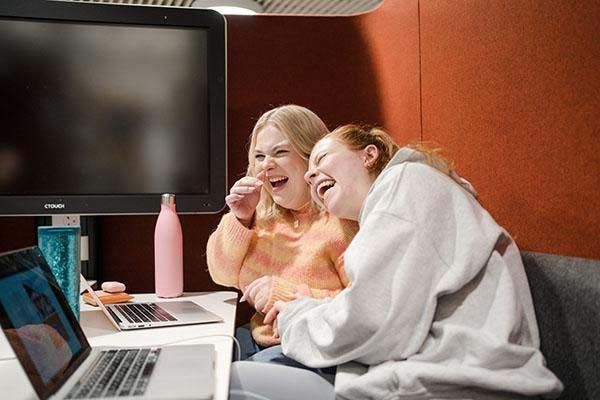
566 297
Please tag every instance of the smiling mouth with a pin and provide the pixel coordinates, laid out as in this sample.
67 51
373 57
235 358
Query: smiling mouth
278 181
324 187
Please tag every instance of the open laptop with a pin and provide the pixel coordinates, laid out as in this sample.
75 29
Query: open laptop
152 314
58 360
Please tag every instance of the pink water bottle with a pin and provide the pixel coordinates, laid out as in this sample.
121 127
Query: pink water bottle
168 250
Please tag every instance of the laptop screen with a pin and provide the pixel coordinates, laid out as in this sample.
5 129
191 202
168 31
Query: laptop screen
38 322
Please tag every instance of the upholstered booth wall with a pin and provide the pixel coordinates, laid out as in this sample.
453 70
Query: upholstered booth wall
509 89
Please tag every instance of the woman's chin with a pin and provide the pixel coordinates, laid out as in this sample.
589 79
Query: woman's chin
281 201
282 204
339 211
330 202
331 207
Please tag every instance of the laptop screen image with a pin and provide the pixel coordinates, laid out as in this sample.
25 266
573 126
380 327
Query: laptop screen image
37 321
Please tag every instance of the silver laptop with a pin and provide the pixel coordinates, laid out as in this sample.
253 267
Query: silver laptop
152 314
58 360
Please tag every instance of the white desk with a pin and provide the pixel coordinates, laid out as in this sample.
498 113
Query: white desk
100 332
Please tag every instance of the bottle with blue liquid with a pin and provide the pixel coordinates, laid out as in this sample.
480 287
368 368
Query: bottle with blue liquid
60 246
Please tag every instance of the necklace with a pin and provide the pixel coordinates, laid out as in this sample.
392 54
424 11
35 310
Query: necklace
301 213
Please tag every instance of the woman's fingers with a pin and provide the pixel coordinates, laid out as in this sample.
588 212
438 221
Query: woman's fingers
243 197
249 181
249 292
244 297
245 293
271 316
244 189
252 292
262 297
275 329
274 311
260 301
232 198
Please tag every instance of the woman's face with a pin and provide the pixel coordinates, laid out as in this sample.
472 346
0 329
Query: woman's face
338 177
284 168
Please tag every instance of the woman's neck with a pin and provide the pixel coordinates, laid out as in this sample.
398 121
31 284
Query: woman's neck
305 213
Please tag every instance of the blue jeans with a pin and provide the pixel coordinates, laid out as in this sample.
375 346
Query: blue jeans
252 351
274 355
248 347
260 381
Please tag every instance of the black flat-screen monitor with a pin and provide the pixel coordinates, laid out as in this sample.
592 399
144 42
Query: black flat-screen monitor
105 107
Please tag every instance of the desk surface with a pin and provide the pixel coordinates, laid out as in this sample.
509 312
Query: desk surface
100 332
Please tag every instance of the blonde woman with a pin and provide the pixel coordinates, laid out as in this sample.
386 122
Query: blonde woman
275 243
439 306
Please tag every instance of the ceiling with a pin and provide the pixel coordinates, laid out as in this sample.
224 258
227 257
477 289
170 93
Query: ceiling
289 7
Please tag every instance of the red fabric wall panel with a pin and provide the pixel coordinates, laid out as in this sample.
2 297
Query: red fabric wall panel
392 35
511 90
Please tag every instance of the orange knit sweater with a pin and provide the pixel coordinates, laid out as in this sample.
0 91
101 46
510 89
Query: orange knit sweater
302 249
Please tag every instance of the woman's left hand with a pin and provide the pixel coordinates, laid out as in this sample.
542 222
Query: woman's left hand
257 293
271 317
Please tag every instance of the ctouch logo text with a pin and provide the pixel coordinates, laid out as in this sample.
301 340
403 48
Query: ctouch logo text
54 205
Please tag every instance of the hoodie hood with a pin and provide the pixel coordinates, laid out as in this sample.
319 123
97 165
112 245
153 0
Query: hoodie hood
406 154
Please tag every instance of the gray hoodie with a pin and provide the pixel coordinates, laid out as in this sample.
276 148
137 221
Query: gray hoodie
439 305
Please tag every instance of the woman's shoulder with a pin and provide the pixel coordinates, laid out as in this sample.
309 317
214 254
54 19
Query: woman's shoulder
408 170
416 178
405 188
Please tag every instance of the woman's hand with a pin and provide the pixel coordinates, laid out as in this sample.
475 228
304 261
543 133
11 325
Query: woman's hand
271 317
244 196
257 293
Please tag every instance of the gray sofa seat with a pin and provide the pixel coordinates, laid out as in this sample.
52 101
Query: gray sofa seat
566 297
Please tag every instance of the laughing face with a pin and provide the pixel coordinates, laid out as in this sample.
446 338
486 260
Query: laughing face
338 177
283 168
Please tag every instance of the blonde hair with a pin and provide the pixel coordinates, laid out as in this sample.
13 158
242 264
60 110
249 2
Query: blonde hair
302 127
358 137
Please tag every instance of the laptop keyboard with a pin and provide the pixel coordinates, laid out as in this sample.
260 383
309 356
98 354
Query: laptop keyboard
146 312
117 373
